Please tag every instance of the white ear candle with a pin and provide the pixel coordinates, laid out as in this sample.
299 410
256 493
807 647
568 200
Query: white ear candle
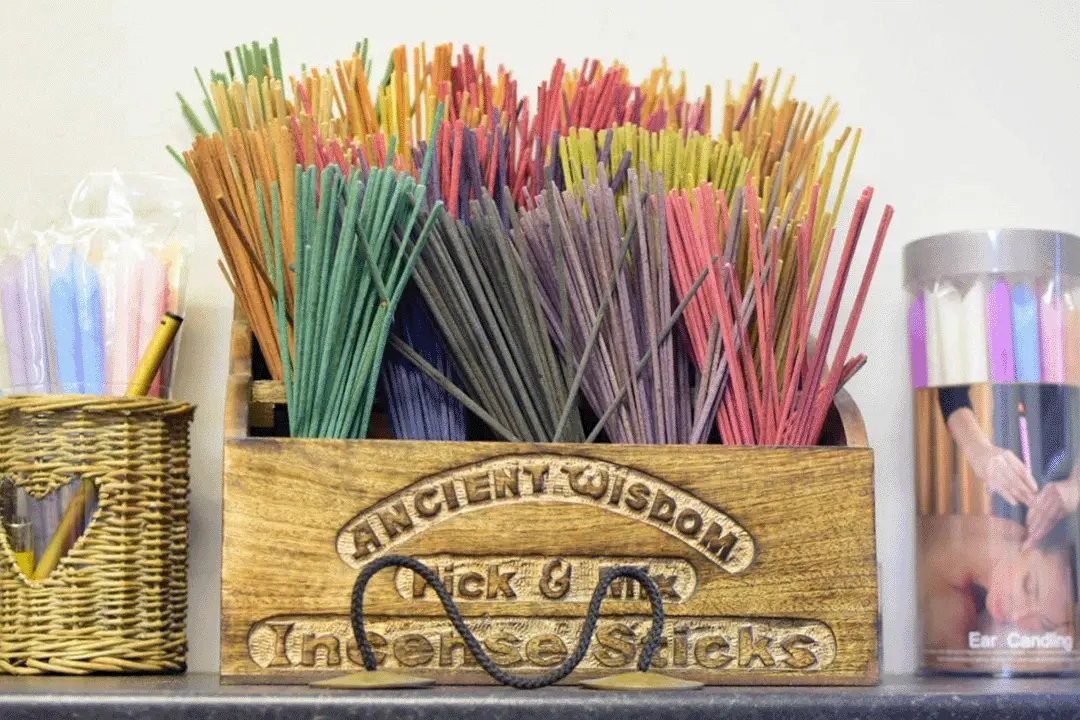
951 329
972 341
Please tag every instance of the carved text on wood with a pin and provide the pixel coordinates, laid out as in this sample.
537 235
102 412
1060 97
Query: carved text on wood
321 642
545 478
526 579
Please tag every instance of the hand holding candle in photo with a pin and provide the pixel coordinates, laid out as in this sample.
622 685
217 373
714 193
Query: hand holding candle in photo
998 468
1053 504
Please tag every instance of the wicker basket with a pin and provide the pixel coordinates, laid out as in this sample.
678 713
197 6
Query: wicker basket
117 601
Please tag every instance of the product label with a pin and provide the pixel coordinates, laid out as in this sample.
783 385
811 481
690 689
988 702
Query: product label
998 489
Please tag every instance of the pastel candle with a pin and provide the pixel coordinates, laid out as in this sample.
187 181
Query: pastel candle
109 286
1025 316
1000 333
1072 339
5 374
1051 332
934 372
153 286
174 270
917 341
91 330
36 346
14 324
972 340
120 303
62 311
129 325
1025 439
950 335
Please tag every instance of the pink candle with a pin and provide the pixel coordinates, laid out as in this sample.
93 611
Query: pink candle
1025 442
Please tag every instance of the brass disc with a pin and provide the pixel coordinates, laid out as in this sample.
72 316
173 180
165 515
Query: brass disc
374 680
640 681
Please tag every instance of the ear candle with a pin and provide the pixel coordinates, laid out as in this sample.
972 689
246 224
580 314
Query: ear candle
917 341
130 323
62 308
152 288
114 322
1025 318
999 314
973 340
5 371
1051 331
1025 439
13 306
38 367
1072 339
90 329
950 323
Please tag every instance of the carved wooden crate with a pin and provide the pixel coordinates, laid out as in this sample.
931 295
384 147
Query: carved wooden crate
765 556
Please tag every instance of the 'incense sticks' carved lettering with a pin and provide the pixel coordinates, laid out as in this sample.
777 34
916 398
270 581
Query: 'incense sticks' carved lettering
313 643
731 645
753 647
549 478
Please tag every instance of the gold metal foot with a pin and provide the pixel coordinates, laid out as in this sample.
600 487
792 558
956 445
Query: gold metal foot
640 681
374 680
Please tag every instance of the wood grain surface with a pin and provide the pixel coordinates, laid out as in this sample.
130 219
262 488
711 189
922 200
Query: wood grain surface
765 556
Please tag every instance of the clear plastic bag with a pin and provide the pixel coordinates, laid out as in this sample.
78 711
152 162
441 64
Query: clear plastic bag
82 293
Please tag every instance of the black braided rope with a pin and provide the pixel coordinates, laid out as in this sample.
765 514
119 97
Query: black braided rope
652 641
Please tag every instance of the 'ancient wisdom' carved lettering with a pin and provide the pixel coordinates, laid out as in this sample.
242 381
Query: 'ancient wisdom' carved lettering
545 478
733 644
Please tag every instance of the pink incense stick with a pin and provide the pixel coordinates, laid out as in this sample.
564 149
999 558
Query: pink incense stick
813 431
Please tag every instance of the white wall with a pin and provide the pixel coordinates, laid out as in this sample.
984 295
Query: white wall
971 113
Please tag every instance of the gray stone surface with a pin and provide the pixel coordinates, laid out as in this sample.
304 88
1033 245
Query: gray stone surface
200 696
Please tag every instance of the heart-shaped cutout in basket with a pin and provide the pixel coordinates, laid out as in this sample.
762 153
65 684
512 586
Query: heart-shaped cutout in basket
41 530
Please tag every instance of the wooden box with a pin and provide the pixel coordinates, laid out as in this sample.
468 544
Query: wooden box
765 556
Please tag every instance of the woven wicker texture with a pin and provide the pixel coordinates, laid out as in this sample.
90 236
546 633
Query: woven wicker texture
117 601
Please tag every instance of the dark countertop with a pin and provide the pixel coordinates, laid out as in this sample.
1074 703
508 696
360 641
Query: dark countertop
200 696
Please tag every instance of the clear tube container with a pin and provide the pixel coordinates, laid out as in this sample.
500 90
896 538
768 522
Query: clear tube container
994 338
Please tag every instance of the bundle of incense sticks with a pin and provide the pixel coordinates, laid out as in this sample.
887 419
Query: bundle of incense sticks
512 278
339 104
485 301
358 242
767 399
608 300
417 406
